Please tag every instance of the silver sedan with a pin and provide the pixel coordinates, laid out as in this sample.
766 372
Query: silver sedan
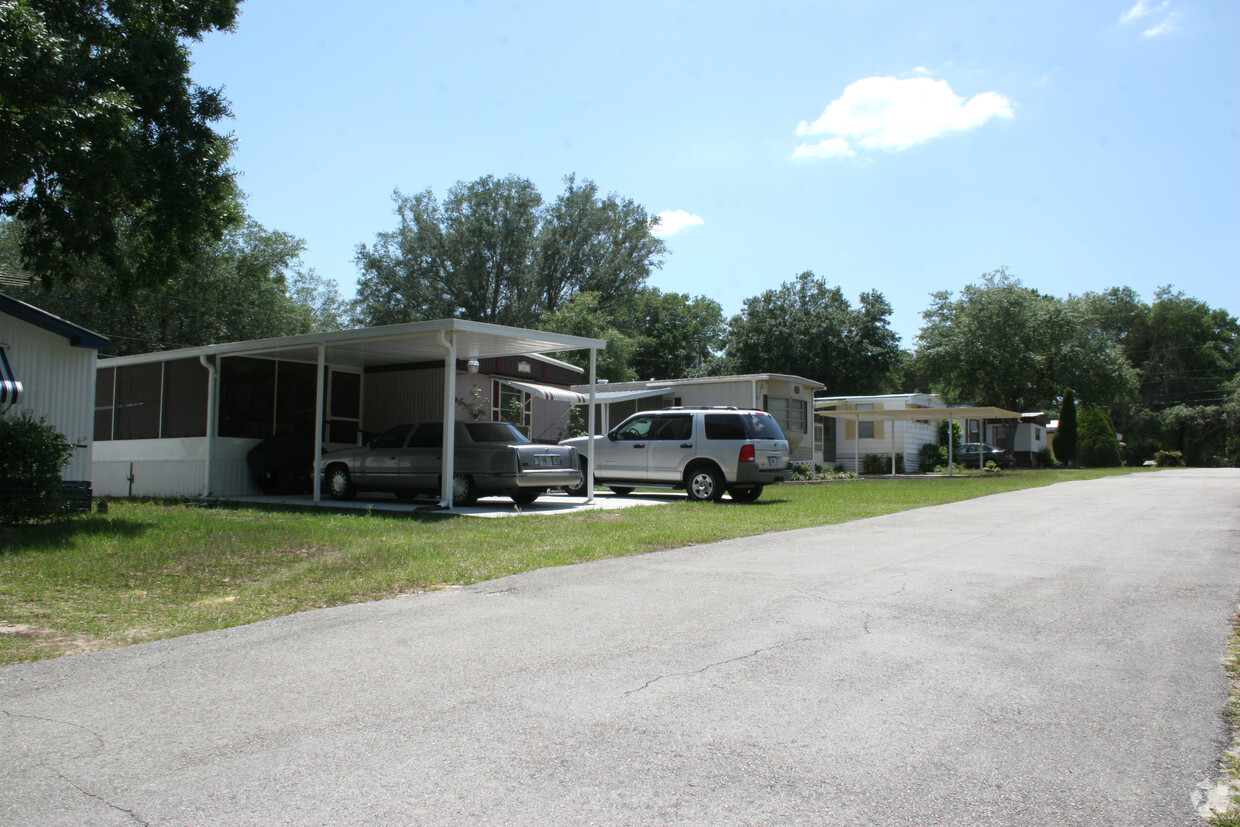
491 459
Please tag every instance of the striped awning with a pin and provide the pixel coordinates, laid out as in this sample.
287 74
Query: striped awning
10 388
547 391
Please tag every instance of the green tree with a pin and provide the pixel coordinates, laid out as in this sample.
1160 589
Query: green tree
494 253
108 152
1097 446
582 316
1001 343
805 328
674 335
245 286
1066 437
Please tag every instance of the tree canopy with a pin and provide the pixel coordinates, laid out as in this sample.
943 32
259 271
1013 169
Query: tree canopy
248 285
806 328
107 149
494 252
1001 343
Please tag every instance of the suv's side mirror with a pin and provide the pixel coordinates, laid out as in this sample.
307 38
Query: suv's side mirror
611 435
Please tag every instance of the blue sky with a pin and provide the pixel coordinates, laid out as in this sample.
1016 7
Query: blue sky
906 147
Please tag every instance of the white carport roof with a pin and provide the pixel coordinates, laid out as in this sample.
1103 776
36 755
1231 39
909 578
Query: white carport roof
445 340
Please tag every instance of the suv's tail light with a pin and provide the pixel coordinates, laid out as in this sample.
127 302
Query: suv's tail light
747 454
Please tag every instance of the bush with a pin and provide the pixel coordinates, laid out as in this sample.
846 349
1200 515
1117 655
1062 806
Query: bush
814 471
1046 458
1096 445
881 464
1169 459
931 456
32 456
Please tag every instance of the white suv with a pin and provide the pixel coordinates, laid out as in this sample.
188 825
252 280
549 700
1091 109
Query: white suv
705 451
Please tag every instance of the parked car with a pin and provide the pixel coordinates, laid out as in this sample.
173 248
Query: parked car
705 451
491 459
999 456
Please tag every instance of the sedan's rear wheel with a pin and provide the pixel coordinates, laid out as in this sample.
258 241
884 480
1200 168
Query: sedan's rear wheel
339 483
579 490
464 492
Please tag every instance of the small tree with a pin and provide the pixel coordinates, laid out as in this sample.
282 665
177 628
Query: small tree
1066 438
1098 446
32 456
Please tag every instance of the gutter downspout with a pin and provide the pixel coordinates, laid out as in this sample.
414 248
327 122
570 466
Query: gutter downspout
951 451
211 382
447 467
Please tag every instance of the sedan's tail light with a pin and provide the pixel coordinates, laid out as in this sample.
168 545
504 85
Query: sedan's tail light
747 454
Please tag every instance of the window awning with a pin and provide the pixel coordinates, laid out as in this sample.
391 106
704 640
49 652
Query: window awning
10 388
547 392
607 397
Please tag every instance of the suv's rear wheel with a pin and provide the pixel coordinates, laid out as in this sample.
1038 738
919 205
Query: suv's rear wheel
704 482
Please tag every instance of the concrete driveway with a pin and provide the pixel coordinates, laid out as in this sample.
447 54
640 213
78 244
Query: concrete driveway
1047 657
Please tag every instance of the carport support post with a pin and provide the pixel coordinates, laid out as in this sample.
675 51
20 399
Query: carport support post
447 466
589 481
857 443
892 423
319 413
951 451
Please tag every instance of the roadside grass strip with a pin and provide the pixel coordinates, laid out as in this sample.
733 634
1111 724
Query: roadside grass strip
148 570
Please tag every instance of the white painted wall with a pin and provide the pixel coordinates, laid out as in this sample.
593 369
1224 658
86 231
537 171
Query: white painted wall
58 383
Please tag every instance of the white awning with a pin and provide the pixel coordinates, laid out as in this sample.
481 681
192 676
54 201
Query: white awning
607 397
10 388
548 392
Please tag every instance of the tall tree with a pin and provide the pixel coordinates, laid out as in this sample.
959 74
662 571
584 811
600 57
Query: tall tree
248 285
494 252
674 334
1065 438
108 153
1001 343
806 328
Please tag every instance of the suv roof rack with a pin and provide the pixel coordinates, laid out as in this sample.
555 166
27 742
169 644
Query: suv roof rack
700 408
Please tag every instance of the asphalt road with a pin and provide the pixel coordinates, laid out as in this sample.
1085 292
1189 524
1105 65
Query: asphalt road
1046 657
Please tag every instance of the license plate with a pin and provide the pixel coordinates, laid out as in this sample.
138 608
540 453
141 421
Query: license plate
773 462
546 459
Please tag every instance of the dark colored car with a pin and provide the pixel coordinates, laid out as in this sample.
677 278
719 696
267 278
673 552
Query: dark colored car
969 455
491 459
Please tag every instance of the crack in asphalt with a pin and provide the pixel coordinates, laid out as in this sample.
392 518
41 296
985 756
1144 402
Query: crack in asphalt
102 800
709 666
97 736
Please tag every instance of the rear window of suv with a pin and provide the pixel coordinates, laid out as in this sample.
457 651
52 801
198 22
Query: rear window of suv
742 426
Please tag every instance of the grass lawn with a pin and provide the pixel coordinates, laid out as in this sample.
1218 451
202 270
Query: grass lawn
150 570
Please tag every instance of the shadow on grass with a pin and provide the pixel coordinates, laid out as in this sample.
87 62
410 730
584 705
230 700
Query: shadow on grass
426 514
55 536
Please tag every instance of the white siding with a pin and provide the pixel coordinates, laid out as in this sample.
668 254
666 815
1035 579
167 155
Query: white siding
171 467
58 383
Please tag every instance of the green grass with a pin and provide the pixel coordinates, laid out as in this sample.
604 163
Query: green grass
150 570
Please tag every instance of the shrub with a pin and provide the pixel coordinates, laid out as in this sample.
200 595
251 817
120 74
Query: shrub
1045 458
931 456
881 464
1169 459
1097 446
32 456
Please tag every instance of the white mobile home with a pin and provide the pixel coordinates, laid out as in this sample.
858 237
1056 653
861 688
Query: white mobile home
847 440
789 399
47 367
182 422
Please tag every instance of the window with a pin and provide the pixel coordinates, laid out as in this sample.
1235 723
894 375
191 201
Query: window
725 426
791 414
865 430
635 429
138 401
185 399
104 383
344 406
247 397
510 405
674 427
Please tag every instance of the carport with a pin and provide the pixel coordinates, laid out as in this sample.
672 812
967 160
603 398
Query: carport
914 414
449 342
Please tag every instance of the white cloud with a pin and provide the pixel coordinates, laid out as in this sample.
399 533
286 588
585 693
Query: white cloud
832 148
1165 27
1146 8
895 114
1143 8
673 221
